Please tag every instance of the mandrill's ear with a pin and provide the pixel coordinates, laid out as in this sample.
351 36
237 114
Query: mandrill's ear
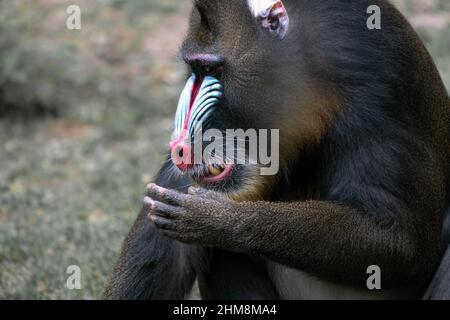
272 15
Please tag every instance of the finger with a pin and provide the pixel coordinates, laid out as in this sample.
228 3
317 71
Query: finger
162 209
166 195
161 222
148 202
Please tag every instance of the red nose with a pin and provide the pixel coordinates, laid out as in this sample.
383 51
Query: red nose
182 155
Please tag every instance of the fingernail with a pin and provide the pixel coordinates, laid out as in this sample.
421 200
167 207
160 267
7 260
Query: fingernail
148 201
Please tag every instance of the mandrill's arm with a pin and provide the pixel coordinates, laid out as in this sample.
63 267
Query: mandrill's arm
152 265
326 239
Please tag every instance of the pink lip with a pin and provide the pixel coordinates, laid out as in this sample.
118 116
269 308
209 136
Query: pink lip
225 174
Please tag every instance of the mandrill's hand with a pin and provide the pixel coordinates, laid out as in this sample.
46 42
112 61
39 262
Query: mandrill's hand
199 217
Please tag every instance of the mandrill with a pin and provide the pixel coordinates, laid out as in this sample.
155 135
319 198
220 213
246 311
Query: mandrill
364 160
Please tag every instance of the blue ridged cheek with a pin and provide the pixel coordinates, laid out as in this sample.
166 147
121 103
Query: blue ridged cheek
209 95
183 108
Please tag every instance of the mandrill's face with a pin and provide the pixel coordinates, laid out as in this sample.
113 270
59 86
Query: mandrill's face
241 61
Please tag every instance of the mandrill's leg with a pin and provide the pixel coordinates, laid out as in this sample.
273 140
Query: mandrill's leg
235 276
151 265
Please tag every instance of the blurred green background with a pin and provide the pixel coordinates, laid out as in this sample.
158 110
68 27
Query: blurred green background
85 116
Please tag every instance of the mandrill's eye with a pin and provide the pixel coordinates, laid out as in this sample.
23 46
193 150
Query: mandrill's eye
206 64
208 69
213 70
